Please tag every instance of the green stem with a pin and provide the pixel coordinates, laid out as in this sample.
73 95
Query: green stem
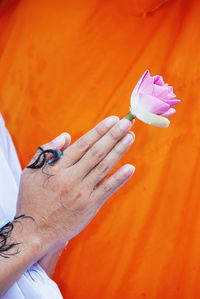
130 116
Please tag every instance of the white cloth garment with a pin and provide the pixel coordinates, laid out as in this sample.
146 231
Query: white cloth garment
34 283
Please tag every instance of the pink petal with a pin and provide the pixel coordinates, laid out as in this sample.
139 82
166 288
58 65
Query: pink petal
169 112
158 80
152 104
160 91
146 86
171 103
144 76
171 96
170 91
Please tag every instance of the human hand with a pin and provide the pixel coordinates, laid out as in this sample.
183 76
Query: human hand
64 197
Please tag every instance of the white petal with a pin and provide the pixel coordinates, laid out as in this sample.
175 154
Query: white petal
134 100
150 118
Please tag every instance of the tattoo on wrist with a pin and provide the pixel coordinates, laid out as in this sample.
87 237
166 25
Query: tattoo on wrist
5 235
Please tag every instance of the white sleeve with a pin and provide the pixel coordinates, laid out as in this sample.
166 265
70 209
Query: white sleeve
9 151
34 283
10 172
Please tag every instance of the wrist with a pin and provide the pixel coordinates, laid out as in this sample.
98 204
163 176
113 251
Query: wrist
25 234
28 233
26 250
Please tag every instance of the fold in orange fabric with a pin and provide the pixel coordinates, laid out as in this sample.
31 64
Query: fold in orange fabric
66 65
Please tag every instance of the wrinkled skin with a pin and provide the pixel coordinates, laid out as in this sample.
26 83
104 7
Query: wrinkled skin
63 197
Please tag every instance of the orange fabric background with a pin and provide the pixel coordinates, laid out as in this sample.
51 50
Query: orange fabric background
66 65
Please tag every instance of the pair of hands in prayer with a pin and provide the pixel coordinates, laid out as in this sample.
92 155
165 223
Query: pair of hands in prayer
63 197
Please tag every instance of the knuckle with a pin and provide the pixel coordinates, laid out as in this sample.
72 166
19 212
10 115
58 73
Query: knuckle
88 186
119 149
120 177
102 168
96 153
100 130
71 174
107 188
114 134
82 144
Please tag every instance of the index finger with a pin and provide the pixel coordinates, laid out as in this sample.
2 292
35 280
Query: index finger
75 151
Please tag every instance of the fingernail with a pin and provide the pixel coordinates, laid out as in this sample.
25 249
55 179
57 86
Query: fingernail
59 141
130 132
128 139
111 121
125 124
66 136
128 169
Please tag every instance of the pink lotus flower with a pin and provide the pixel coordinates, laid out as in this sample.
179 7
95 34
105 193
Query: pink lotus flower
152 100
